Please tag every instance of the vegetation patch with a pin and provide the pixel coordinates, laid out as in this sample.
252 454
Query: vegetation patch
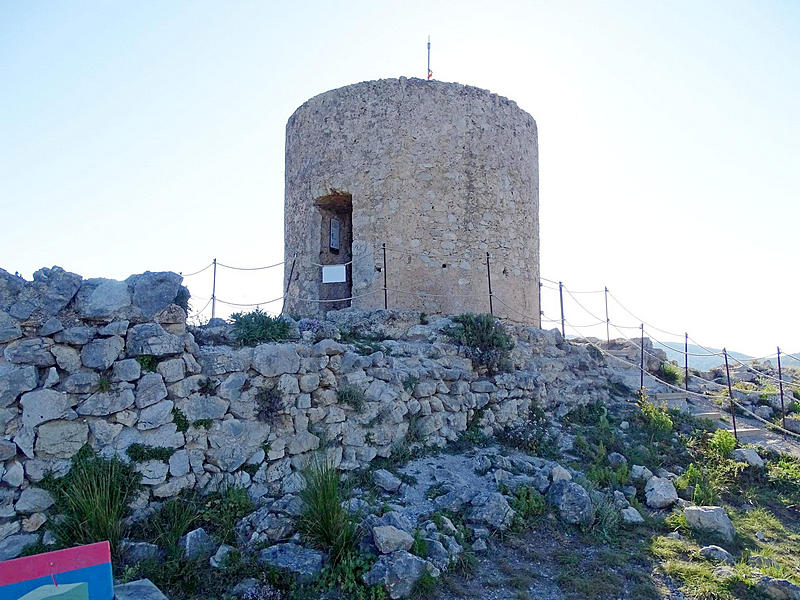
485 339
257 327
141 453
351 396
147 362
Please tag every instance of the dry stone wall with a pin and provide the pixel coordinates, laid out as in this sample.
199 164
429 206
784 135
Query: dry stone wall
113 365
441 173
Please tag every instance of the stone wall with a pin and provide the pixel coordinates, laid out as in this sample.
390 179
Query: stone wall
112 364
441 173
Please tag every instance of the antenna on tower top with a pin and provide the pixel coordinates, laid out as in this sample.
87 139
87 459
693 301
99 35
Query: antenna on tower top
430 73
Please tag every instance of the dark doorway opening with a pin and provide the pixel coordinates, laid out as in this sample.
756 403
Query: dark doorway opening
335 248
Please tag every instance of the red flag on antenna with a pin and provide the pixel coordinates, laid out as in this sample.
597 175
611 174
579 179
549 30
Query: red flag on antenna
430 73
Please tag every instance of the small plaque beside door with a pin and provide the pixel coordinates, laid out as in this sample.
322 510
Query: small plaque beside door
334 274
335 236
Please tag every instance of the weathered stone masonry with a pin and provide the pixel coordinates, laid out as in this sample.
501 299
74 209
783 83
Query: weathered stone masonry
69 376
440 172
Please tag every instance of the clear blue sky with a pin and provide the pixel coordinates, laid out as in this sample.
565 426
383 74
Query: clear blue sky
150 135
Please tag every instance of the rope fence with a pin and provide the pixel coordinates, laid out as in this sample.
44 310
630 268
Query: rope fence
644 328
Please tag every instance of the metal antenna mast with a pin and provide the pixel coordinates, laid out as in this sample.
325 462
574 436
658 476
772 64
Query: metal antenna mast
430 73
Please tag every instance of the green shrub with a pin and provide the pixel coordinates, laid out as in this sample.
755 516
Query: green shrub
257 327
141 453
347 576
206 387
704 494
531 435
269 403
655 420
420 546
487 342
409 383
324 521
425 587
93 500
527 504
147 362
103 384
722 442
351 396
220 512
180 420
670 373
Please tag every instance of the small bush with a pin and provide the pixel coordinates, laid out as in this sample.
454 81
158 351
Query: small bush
352 396
425 587
93 500
532 435
606 520
141 453
409 383
655 420
420 546
206 387
269 403
180 420
103 384
487 342
257 327
670 373
527 504
324 521
348 577
722 443
147 362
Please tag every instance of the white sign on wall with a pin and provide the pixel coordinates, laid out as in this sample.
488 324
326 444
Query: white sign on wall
334 274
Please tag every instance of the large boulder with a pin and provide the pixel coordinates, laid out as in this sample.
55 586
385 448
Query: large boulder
103 404
13 545
30 351
41 406
33 500
305 563
389 539
398 572
712 520
153 292
138 590
778 589
9 328
749 456
233 441
572 501
717 554
10 288
660 492
197 544
101 353
61 439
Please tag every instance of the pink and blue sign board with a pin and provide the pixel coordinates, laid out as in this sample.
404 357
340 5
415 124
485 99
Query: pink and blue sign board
89 564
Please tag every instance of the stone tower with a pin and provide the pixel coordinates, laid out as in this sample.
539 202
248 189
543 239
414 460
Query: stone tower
441 173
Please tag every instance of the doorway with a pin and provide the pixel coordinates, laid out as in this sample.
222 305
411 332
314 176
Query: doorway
335 248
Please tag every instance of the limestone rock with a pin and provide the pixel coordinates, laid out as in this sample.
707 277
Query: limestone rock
138 590
272 360
778 589
15 474
103 404
136 552
327 347
640 473
386 480
14 381
631 516
101 353
490 508
13 545
150 389
30 351
102 298
389 539
7 450
305 563
660 492
77 336
49 292
150 338
61 439
712 520
44 405
749 456
220 556
127 369
397 572
197 544
156 415
717 554
33 500
153 292
9 328
572 502
172 370
67 358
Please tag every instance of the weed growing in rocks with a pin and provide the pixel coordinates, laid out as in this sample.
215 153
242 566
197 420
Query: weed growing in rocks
206 387
347 576
655 420
140 453
531 435
351 396
257 327
147 362
324 521
485 339
670 373
180 420
103 384
722 443
93 500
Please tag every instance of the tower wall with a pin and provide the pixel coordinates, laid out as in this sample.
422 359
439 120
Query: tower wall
441 173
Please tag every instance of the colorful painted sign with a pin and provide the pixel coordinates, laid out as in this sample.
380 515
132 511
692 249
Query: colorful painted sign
90 565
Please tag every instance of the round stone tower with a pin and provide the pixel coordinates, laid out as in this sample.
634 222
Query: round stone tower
441 173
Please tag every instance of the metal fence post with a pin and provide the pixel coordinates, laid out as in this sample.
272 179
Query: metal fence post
385 290
686 363
730 393
608 333
561 300
641 362
489 277
214 292
780 383
541 312
288 283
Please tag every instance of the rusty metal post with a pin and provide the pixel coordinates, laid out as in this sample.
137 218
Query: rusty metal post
214 292
489 277
730 393
641 363
608 333
561 300
385 287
